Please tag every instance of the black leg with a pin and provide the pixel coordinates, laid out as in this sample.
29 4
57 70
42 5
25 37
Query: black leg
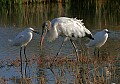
59 50
26 69
75 48
98 52
61 47
21 60
94 51
25 54
25 61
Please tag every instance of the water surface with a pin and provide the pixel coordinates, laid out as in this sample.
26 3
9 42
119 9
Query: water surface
96 16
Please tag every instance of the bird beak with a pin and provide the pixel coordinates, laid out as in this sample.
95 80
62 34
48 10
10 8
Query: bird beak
42 38
36 32
107 32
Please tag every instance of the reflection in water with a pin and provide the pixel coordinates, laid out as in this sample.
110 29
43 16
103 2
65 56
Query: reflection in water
96 14
30 15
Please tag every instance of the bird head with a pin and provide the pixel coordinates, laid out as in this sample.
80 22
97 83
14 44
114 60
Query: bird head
32 30
106 31
45 27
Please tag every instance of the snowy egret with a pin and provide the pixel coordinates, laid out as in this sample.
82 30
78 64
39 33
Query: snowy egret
99 40
22 39
68 28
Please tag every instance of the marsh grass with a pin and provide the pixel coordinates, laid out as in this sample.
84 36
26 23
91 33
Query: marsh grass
12 2
65 70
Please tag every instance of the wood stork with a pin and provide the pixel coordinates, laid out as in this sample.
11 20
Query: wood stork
68 28
22 39
99 40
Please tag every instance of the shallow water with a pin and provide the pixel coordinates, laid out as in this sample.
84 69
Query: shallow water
95 15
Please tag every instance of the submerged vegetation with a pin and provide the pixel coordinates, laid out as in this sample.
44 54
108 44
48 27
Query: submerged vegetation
65 70
96 14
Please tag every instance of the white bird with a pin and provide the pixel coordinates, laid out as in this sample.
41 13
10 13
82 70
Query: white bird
68 28
22 39
99 40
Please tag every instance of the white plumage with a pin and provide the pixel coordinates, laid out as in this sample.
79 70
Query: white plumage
99 39
22 39
71 28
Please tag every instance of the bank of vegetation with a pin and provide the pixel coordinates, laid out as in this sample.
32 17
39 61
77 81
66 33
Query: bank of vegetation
4 2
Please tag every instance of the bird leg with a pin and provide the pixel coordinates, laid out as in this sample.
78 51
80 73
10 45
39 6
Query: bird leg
25 69
25 54
21 60
94 51
55 57
98 52
61 47
75 49
25 60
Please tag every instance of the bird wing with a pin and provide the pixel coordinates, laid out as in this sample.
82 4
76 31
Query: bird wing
70 27
19 39
101 38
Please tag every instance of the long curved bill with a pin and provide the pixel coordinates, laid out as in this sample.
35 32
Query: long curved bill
42 38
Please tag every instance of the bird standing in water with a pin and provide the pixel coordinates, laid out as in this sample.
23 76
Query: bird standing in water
22 40
68 28
99 40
